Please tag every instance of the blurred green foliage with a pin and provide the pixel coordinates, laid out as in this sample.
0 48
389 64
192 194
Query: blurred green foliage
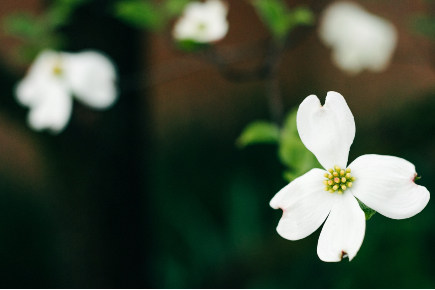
41 32
291 151
35 33
60 12
174 7
279 19
189 45
149 14
141 14
259 132
424 25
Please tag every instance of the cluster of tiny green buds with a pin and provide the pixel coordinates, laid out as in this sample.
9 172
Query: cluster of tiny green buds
338 180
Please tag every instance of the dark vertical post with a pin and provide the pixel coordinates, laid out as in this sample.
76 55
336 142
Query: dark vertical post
112 146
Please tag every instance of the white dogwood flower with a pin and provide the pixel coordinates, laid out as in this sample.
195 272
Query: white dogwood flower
55 77
384 183
202 22
359 40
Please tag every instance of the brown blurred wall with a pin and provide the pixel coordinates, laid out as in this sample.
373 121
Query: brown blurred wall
20 158
186 90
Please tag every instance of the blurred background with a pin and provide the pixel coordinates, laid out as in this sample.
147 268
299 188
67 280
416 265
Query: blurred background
154 192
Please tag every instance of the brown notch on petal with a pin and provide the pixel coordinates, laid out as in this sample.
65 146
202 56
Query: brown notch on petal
343 255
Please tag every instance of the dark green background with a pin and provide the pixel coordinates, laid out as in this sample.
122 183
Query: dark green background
119 209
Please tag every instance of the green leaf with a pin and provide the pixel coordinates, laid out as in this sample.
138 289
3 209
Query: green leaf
424 24
175 7
35 33
292 152
23 25
141 14
40 32
368 212
279 19
303 16
417 178
60 12
258 132
273 14
289 176
191 45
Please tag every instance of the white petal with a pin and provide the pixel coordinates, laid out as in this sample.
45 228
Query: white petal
347 59
360 40
92 77
327 131
31 89
386 184
305 205
45 91
343 232
53 111
25 92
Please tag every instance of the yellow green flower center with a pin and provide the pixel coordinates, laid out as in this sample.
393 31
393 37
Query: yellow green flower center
57 69
338 180
201 26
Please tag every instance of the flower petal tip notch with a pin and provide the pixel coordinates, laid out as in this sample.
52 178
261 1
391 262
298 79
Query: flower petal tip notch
383 183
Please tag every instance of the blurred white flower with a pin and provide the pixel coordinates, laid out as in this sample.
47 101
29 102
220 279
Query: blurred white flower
359 40
55 77
383 183
202 22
